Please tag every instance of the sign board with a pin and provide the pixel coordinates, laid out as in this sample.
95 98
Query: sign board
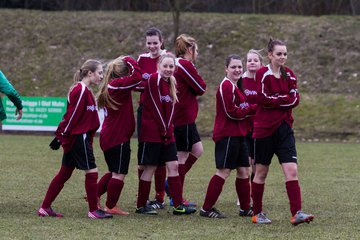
39 113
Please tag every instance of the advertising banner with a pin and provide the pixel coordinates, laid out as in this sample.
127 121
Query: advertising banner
39 114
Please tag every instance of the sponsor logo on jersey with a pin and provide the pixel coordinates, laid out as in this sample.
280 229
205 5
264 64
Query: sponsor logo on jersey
244 105
166 98
91 108
249 92
146 76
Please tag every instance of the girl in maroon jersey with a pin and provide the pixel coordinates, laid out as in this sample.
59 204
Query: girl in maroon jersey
148 64
230 129
273 134
253 63
157 142
190 85
121 77
75 134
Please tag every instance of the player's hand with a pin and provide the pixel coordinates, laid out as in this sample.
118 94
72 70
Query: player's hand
18 112
55 144
253 108
129 60
166 138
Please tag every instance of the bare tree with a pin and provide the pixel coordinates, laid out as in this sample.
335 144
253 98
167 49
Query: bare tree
353 6
175 9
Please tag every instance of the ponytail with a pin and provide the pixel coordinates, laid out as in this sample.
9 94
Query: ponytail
115 69
283 72
183 43
239 84
173 90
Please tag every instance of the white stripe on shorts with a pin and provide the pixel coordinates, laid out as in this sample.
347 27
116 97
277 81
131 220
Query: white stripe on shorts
86 156
143 150
227 149
120 157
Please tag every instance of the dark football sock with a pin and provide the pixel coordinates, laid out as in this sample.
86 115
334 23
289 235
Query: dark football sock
257 191
243 192
159 177
190 162
103 184
143 193
114 190
175 189
294 194
91 190
56 185
213 192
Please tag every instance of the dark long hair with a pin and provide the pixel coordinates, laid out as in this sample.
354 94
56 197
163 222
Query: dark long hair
270 48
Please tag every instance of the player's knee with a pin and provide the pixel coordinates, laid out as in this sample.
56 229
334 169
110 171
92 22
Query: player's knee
223 173
243 172
197 149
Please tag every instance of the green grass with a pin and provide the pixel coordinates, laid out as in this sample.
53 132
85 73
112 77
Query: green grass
328 173
40 51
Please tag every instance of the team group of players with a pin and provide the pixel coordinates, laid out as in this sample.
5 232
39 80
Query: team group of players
253 122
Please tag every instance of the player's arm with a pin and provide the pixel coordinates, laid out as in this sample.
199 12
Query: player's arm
156 106
76 106
192 77
133 80
231 109
12 94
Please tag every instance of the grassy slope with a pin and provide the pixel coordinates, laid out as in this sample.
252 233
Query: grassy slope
41 50
327 175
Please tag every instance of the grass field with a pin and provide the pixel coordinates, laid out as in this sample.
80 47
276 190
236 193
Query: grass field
329 177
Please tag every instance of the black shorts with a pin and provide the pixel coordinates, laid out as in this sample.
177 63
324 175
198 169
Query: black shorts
156 154
118 158
281 143
138 120
81 154
186 136
250 144
231 153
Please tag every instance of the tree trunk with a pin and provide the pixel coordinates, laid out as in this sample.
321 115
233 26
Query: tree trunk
175 9
352 7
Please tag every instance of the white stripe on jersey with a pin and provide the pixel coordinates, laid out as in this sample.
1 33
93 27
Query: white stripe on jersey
223 101
83 86
125 87
267 73
148 54
152 98
182 67
143 55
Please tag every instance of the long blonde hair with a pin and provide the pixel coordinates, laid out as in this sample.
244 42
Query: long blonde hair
117 68
172 79
183 43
